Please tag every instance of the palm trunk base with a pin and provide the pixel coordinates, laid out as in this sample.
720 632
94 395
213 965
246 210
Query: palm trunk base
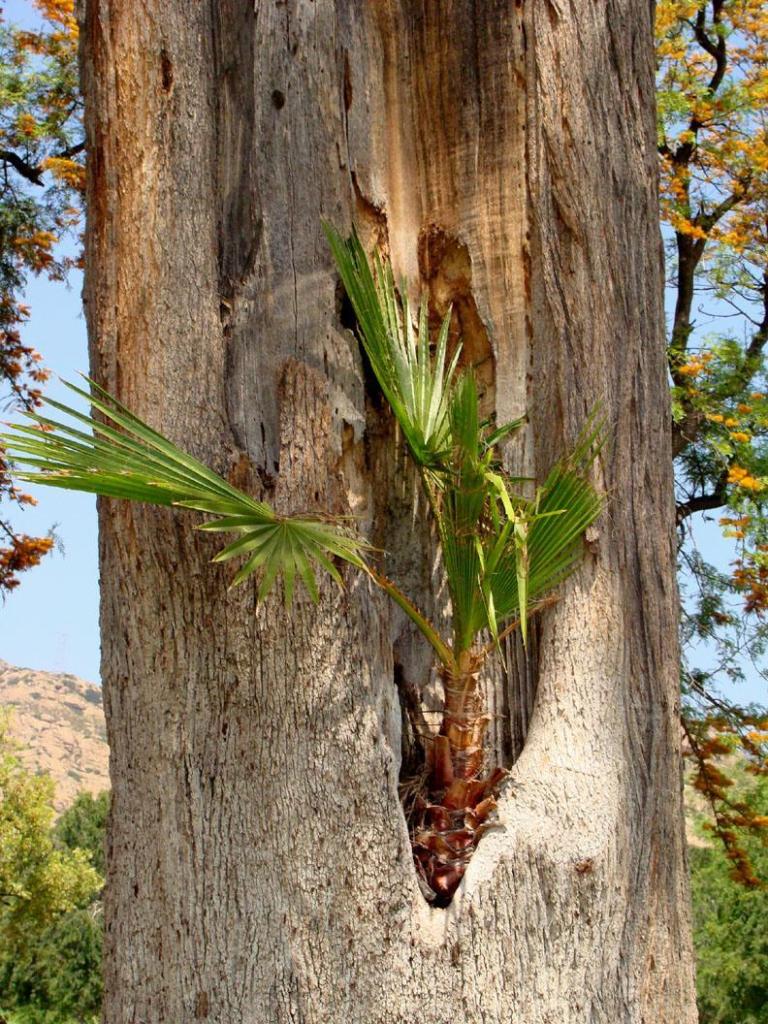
447 828
455 797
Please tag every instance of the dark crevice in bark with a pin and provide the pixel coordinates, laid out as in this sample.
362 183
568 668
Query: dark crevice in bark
235 138
415 729
166 70
346 319
521 670
345 313
347 85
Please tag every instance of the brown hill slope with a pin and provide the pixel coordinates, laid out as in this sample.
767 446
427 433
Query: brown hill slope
59 722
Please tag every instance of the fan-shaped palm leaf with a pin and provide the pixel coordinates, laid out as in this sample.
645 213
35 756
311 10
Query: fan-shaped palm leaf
460 511
122 457
501 551
565 506
416 383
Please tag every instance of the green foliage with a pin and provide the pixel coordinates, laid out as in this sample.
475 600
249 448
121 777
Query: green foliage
416 383
50 916
56 977
122 457
501 549
38 879
730 933
712 82
40 142
83 826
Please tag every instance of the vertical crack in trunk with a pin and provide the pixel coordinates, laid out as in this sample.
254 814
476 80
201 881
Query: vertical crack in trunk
449 777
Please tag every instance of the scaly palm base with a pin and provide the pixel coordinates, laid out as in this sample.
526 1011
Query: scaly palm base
452 816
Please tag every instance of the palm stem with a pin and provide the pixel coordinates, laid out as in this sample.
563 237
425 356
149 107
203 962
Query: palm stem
443 651
508 630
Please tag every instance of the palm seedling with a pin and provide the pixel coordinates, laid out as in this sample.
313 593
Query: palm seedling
502 552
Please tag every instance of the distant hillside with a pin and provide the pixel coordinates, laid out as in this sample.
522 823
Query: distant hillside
59 722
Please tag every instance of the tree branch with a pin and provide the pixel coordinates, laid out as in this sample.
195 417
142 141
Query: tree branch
689 253
70 151
760 337
686 431
25 169
34 173
708 221
703 502
716 50
719 52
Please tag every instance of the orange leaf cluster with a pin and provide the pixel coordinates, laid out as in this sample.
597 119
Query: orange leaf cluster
41 116
68 171
714 128
62 40
23 553
750 577
35 250
742 478
710 743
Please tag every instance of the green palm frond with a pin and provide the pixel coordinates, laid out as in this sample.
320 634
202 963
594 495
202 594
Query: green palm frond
501 551
565 506
460 510
495 437
122 457
416 383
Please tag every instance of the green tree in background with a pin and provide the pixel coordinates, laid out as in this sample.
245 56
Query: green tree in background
730 934
41 180
38 878
83 826
50 925
56 978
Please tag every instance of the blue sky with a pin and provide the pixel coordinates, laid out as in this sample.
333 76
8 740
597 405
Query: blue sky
51 620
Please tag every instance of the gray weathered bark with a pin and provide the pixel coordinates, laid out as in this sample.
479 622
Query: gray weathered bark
259 866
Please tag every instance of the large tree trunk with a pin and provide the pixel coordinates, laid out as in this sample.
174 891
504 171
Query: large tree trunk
259 863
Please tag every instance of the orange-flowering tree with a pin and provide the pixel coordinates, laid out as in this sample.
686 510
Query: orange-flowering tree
41 179
713 145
